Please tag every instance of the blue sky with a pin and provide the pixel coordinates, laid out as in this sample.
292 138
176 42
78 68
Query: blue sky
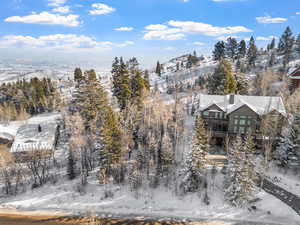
98 30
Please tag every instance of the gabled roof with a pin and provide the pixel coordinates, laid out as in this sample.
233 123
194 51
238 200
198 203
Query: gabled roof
261 105
294 72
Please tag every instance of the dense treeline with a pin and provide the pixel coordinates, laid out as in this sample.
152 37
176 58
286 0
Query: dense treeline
27 97
246 56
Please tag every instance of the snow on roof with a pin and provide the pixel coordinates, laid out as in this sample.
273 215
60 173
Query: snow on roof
6 136
29 138
260 104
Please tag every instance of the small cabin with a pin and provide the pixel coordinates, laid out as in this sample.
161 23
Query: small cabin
295 78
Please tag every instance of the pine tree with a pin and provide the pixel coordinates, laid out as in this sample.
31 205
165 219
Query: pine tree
252 52
147 80
111 139
231 48
272 45
222 80
250 151
138 87
285 46
71 166
231 85
133 64
158 69
298 44
239 181
242 49
189 62
242 84
219 51
200 144
195 161
78 75
272 60
121 83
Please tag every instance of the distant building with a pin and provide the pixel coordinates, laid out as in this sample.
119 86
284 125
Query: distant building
294 76
229 115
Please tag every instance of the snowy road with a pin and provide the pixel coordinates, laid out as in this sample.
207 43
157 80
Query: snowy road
287 197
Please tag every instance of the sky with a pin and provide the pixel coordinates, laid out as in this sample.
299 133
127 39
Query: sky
98 30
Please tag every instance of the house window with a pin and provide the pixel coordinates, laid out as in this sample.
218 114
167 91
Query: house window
205 113
242 130
235 129
242 121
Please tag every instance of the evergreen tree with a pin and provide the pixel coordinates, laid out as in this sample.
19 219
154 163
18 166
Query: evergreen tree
195 53
71 165
222 81
298 44
138 87
272 45
111 139
272 60
285 46
177 66
238 183
219 50
121 82
242 49
147 80
252 52
189 62
231 48
78 75
231 85
158 69
133 64
196 159
242 85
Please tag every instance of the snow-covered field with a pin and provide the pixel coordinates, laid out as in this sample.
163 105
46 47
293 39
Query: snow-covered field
65 196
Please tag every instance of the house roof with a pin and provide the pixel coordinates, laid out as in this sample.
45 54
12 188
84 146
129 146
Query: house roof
29 138
261 105
295 74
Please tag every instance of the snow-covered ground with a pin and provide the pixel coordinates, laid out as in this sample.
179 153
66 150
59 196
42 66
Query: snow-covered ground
286 179
64 196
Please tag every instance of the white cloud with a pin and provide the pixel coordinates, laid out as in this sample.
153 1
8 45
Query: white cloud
125 44
269 38
269 19
62 9
198 43
46 18
185 0
56 3
169 34
177 30
101 9
224 38
206 29
297 13
156 27
59 41
124 29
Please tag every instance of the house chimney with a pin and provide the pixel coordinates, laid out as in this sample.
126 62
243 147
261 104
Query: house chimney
231 99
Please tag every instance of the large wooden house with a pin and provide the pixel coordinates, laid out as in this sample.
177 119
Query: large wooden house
231 115
294 76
